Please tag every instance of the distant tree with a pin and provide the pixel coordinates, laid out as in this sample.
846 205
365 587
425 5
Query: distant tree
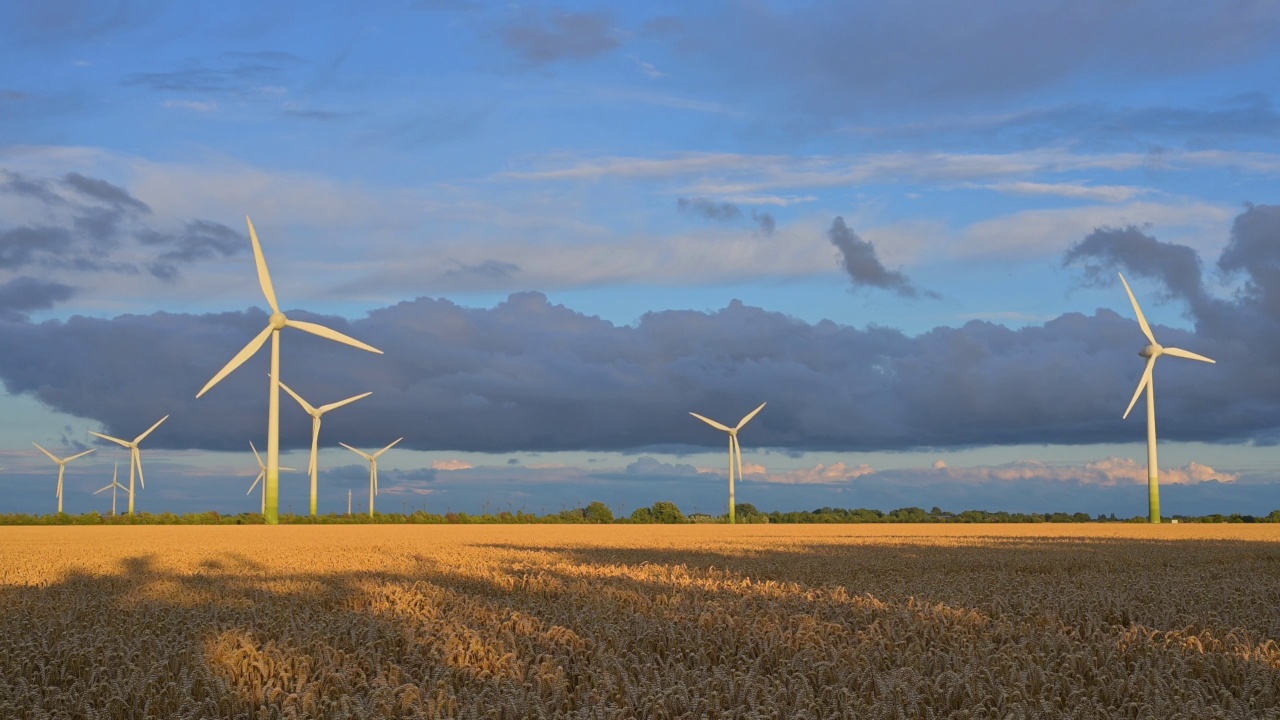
598 512
666 512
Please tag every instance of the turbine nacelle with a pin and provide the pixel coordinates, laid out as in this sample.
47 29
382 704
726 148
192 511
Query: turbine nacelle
277 321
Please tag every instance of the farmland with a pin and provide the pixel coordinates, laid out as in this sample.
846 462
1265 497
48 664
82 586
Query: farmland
981 621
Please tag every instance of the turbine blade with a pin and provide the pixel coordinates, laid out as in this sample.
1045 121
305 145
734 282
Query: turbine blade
115 440
244 354
1142 319
264 276
78 455
46 452
143 436
256 455
115 473
712 423
387 447
750 415
305 405
288 468
315 444
257 480
361 453
737 451
104 489
1142 384
1179 352
328 334
137 460
333 406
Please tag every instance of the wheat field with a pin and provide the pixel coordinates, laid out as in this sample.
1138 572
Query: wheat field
850 621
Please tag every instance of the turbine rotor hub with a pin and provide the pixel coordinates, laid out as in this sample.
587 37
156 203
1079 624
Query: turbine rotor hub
278 320
1152 350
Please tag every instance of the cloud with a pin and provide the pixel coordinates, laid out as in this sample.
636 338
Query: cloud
561 36
233 73
830 59
191 105
709 209
1075 191
21 295
530 375
1112 471
90 225
452 464
649 466
725 211
858 258
834 473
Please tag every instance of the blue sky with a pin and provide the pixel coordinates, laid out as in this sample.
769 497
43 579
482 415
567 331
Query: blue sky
569 224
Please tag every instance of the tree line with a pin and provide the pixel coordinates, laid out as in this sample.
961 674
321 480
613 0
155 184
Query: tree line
662 512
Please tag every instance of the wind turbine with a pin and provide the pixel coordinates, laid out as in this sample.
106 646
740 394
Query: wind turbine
1151 352
316 413
262 471
135 456
277 322
62 468
373 471
115 483
735 450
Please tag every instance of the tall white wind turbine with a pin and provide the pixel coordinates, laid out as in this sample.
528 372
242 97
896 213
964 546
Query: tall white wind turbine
115 483
316 413
62 468
735 450
277 323
1151 352
373 472
135 456
262 473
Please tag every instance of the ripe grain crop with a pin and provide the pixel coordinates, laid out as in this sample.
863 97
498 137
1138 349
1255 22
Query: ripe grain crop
1093 621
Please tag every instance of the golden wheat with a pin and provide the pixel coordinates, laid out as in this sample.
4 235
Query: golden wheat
1097 621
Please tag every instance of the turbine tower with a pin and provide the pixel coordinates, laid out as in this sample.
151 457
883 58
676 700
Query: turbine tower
316 413
262 471
62 468
373 472
277 322
1151 352
735 450
115 483
135 456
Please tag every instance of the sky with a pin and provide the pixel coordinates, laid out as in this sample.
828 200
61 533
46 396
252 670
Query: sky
568 225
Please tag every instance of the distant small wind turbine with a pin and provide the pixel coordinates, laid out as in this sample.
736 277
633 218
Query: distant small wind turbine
373 471
1151 352
262 472
735 450
316 413
135 456
115 483
62 468
275 324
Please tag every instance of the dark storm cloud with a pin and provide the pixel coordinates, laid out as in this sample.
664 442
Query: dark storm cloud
560 36
92 220
528 375
21 295
859 261
842 59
